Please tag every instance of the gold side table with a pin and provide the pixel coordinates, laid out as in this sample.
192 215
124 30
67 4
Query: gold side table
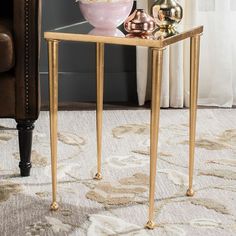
80 33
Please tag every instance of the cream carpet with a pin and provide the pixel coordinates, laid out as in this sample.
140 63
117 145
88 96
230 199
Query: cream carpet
118 204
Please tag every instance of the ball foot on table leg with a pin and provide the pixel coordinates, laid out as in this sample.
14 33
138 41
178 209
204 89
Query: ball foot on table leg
98 176
190 192
54 206
150 225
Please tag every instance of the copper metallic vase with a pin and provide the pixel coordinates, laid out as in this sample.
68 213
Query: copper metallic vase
167 13
140 23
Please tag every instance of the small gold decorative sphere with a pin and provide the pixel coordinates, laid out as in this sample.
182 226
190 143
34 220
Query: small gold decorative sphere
150 225
54 206
98 176
167 13
190 192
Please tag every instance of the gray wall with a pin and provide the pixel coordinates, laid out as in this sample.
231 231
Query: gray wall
77 62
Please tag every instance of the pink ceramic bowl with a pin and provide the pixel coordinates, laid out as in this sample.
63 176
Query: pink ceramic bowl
106 15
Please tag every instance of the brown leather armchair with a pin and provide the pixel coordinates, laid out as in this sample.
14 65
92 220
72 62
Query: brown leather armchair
19 77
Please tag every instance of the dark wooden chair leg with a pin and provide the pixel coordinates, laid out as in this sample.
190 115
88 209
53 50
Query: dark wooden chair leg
25 133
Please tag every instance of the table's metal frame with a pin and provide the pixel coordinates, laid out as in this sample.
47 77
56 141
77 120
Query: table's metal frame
157 47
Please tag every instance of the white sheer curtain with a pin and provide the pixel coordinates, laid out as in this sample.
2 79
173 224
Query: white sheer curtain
217 85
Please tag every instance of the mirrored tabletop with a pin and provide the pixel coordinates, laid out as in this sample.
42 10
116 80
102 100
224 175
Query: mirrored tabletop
84 32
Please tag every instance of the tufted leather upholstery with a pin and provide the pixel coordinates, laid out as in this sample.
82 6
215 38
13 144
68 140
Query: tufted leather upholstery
6 46
19 56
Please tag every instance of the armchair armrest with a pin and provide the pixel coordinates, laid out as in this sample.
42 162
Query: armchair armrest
26 31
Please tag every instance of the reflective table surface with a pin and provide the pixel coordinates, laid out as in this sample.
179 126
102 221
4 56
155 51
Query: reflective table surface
83 31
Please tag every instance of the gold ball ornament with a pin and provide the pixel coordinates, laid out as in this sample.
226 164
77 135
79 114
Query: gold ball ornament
167 13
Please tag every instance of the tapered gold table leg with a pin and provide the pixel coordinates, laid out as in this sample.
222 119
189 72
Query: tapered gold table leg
53 92
194 74
100 85
157 62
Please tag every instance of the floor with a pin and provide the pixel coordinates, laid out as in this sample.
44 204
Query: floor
118 204
81 106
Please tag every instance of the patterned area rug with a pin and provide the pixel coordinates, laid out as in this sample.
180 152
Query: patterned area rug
118 204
